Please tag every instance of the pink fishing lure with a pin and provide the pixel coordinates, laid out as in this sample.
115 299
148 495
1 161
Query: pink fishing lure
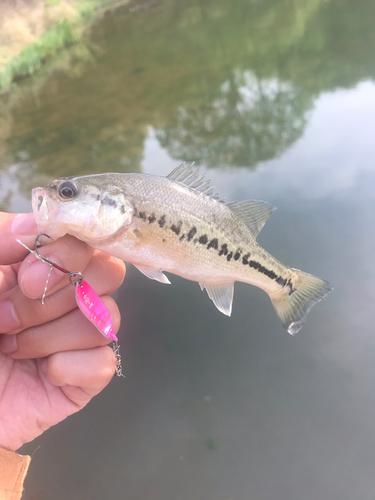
94 309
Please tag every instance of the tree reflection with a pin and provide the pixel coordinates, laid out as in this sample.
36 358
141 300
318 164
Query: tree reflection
250 120
224 83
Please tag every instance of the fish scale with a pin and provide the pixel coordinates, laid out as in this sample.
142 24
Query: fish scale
179 225
186 212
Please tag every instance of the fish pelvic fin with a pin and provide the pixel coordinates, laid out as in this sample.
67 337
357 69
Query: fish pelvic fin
295 300
153 274
221 295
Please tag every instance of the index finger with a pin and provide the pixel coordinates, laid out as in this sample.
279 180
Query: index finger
13 226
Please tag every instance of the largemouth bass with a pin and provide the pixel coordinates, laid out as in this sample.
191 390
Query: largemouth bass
179 225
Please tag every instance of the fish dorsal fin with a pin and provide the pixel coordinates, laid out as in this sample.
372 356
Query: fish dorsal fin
192 178
153 274
254 213
221 295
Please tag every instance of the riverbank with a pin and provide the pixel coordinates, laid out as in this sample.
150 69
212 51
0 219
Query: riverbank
32 31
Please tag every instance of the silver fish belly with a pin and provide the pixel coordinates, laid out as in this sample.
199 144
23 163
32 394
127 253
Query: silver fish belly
178 225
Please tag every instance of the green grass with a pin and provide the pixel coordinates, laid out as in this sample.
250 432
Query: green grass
62 34
51 2
33 56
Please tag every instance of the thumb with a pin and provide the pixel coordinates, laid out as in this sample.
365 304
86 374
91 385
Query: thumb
13 226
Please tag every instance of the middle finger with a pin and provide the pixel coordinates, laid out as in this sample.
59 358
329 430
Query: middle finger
69 333
104 273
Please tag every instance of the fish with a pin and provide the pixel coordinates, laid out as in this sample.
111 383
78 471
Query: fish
178 224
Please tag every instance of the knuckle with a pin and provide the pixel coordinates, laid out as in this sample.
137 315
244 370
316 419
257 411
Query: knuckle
108 365
55 372
113 268
31 313
33 338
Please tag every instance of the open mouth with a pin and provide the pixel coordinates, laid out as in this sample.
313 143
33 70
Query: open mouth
46 212
40 205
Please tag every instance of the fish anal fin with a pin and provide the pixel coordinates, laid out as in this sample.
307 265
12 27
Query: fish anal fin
191 177
221 295
153 274
254 213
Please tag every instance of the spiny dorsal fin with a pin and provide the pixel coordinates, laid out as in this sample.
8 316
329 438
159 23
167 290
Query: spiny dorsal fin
191 177
254 213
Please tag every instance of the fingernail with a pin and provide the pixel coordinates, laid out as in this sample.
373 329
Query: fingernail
8 344
34 279
24 224
8 317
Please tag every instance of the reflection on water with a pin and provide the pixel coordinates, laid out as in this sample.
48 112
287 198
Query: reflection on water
250 120
216 408
222 83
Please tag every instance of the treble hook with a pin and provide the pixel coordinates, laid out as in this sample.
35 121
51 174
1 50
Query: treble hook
37 244
56 266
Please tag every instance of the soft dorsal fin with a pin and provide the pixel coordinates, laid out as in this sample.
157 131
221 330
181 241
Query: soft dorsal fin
192 178
254 213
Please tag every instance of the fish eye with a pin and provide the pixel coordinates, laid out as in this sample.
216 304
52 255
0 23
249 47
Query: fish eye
68 190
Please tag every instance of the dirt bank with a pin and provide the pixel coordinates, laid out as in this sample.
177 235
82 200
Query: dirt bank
31 30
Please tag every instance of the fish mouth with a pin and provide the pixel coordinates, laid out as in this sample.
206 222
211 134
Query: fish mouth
44 211
40 206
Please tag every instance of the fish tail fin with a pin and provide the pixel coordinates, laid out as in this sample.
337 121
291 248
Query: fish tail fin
296 299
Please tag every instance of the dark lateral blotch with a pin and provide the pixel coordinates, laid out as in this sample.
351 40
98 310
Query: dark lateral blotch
268 272
284 282
203 239
213 244
290 285
281 281
162 221
176 229
224 250
245 259
192 233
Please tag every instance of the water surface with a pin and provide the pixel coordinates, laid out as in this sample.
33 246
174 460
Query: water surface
276 101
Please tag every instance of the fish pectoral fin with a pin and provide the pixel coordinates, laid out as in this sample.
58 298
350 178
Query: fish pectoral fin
153 274
254 213
221 295
132 234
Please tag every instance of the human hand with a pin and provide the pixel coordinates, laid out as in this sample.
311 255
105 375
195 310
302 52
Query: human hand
52 359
